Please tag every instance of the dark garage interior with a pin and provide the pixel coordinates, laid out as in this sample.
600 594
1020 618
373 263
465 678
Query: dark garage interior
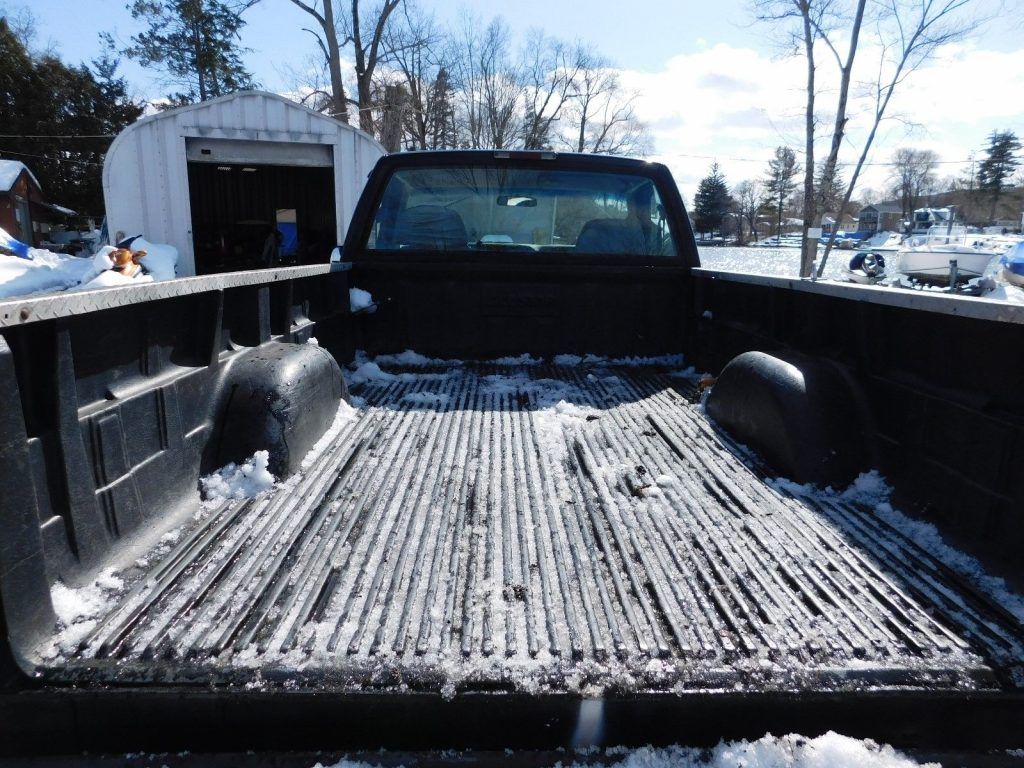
247 216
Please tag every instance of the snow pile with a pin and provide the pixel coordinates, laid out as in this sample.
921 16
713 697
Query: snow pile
160 261
78 610
239 481
38 270
830 750
360 300
871 490
43 271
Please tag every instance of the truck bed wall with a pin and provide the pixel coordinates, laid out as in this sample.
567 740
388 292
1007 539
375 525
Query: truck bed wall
110 414
943 377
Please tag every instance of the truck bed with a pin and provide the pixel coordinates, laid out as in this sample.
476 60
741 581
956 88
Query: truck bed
530 528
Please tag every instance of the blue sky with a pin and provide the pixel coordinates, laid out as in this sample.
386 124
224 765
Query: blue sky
713 84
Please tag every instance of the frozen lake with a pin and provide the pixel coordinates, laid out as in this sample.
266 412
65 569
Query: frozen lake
781 262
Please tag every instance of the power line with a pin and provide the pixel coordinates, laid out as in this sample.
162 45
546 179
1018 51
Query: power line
838 165
58 136
51 157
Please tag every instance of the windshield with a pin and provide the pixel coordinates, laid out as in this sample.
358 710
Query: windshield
476 208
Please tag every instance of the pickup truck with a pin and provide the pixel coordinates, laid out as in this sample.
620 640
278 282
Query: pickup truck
508 513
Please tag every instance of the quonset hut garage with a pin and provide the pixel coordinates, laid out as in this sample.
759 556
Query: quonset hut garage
244 181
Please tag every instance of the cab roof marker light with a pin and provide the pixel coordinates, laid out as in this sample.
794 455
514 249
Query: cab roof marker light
502 155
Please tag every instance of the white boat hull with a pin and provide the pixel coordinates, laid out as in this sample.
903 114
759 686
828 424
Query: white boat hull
931 263
859 277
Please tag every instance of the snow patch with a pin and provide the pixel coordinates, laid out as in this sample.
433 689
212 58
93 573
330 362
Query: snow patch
871 490
369 372
360 300
408 357
523 359
426 398
346 412
830 750
78 610
239 481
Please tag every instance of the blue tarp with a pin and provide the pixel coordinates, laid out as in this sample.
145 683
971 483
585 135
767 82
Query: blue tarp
289 238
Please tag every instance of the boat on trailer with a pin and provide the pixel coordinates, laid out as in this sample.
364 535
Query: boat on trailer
1013 265
945 257
884 241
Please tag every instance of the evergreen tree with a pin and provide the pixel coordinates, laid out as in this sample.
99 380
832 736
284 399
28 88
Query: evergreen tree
998 166
780 182
712 201
195 42
73 109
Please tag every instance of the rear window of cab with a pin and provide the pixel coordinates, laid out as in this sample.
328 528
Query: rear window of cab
480 208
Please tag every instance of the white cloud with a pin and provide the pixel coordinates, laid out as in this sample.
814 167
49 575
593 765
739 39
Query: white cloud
736 104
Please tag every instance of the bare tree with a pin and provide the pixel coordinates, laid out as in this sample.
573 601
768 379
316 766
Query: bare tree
601 116
912 176
815 20
550 75
910 32
749 196
489 85
367 35
331 99
421 54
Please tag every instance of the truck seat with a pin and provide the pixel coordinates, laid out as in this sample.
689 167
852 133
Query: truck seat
432 227
612 236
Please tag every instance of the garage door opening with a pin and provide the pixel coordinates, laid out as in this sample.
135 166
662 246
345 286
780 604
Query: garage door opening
251 216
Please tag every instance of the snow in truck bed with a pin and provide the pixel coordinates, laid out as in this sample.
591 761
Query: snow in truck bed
542 527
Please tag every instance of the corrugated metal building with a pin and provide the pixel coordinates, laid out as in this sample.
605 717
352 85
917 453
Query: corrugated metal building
246 180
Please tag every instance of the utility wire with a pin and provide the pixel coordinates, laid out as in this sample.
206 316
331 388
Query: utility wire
838 165
58 136
51 157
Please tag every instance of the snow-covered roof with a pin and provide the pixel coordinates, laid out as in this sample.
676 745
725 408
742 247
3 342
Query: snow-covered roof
9 172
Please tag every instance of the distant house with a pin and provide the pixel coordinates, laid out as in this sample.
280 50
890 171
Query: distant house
880 217
24 211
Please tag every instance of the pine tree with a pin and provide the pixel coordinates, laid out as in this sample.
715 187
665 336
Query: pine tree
998 166
43 97
195 42
712 201
780 183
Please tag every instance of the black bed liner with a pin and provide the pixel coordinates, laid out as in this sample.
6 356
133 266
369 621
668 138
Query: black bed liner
545 528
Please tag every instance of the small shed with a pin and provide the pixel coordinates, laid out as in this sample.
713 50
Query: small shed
25 213
243 181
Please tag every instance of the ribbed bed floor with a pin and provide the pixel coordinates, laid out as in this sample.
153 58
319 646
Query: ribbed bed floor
545 528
